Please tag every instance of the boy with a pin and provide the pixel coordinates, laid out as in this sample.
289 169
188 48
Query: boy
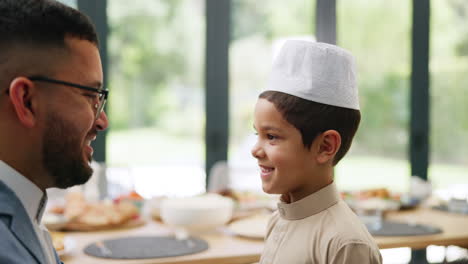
306 120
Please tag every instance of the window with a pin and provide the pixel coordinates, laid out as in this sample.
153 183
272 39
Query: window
155 138
449 100
381 45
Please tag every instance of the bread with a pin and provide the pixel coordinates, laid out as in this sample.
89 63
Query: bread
85 216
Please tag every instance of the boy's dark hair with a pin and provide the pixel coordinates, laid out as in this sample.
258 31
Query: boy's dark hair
42 22
312 118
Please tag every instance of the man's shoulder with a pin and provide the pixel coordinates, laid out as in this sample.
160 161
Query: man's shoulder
8 200
12 250
5 230
16 230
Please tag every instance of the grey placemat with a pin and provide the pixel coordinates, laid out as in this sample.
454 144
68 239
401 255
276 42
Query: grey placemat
389 228
446 209
146 247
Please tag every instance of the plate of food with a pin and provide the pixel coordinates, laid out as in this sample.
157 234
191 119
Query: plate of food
373 199
77 214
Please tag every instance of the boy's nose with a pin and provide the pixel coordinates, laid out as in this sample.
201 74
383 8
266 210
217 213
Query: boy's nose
257 151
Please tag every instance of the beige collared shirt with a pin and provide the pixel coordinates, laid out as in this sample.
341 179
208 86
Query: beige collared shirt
34 201
318 229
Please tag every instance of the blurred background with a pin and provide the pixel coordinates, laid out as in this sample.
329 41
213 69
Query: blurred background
157 63
184 76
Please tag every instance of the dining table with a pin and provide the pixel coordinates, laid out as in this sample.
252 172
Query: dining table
454 228
225 247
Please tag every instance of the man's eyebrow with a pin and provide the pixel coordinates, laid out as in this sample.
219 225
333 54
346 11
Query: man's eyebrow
96 84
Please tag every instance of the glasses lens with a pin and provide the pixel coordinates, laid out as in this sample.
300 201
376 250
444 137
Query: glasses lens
100 106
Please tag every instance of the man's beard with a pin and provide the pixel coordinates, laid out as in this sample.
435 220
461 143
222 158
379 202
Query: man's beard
63 154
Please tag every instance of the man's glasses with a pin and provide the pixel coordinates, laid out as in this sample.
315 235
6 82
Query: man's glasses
101 99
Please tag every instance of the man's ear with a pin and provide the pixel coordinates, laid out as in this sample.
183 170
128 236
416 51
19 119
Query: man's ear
23 96
329 143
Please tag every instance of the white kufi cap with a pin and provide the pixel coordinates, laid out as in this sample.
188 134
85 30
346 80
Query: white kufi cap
317 72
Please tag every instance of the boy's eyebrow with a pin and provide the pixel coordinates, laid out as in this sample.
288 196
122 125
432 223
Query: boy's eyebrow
271 128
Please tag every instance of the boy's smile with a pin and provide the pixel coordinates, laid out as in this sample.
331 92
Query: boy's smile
286 165
266 172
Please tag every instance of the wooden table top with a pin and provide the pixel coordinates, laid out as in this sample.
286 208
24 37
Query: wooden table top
226 248
454 229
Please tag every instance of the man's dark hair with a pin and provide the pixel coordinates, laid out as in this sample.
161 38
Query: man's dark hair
43 23
312 119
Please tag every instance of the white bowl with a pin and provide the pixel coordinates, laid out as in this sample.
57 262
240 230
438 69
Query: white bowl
198 213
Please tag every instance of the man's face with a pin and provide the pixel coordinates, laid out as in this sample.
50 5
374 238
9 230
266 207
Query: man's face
63 154
70 124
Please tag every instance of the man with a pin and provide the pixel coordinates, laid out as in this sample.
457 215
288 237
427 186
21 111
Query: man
51 101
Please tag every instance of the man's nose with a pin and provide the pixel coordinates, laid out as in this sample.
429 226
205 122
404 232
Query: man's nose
102 122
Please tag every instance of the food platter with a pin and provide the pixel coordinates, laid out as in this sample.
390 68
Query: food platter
77 214
379 199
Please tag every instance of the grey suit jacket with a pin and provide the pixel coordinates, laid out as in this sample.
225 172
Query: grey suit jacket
18 240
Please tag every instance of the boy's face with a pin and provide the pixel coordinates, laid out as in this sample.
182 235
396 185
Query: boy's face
286 165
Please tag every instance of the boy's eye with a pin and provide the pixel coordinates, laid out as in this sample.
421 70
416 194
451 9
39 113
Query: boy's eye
271 137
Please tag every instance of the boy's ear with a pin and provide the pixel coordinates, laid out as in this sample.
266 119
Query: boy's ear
329 143
22 93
